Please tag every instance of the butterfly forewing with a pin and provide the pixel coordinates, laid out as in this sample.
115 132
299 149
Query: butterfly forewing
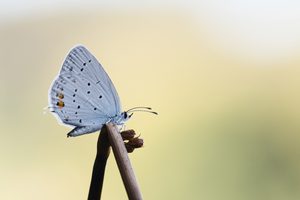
83 94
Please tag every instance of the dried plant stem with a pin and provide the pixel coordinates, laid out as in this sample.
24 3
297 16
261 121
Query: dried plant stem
103 150
110 135
123 163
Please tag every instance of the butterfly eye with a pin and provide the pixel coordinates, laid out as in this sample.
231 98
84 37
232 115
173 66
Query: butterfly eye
125 115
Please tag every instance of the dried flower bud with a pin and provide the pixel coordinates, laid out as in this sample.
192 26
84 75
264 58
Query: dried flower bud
129 148
136 142
128 134
133 142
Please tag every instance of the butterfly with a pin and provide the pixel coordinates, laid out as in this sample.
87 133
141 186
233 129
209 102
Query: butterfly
83 95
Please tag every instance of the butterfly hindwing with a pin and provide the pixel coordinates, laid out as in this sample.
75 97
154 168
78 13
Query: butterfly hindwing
73 107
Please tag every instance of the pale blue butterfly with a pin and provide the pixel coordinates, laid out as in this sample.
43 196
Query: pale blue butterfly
82 95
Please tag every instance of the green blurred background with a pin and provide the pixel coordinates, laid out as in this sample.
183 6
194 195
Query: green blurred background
223 77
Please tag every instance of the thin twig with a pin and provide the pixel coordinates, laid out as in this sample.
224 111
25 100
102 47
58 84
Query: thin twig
103 151
123 163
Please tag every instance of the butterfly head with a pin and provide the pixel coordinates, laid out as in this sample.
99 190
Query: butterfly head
121 118
125 116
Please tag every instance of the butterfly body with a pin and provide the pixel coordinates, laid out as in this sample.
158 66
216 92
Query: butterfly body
80 130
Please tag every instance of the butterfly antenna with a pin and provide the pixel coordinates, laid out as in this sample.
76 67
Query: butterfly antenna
148 111
139 107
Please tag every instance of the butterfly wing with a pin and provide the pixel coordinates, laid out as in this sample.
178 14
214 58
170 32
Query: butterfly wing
83 95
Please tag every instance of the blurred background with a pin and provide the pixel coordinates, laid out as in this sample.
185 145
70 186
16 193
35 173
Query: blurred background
224 78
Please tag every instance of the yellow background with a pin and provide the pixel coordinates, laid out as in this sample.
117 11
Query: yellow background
228 103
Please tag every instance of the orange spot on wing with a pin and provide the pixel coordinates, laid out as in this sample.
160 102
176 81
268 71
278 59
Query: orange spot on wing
60 104
60 95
